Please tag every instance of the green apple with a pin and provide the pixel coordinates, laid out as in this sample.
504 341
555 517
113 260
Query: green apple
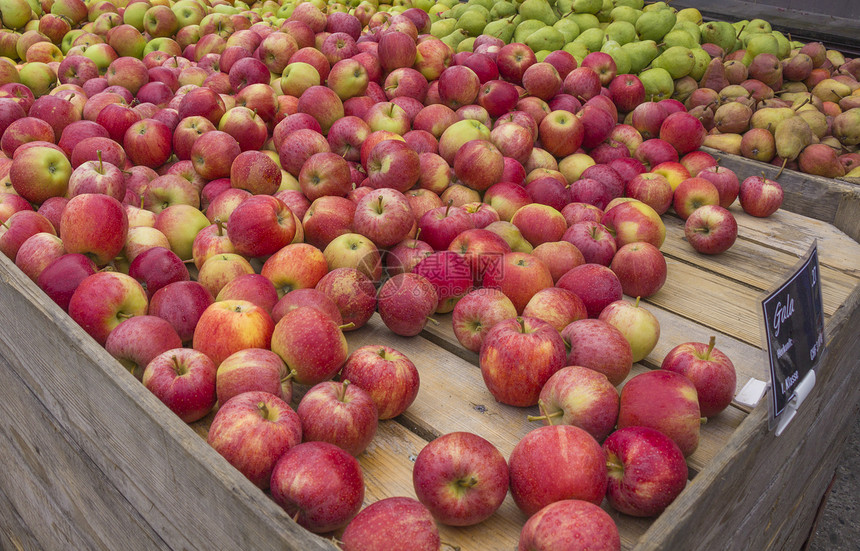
38 77
14 13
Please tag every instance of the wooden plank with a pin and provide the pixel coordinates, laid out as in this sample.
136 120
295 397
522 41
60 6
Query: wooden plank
771 266
754 466
15 533
717 302
794 234
144 450
61 496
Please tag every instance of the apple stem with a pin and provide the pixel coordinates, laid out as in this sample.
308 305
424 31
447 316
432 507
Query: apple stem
740 31
522 323
434 321
417 233
710 347
142 199
703 420
545 417
451 545
637 302
448 208
336 542
289 376
263 409
123 315
470 483
379 205
341 395
346 326
101 165
613 463
3 223
177 367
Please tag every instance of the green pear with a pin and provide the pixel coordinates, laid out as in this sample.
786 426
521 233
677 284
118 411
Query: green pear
577 50
655 24
702 60
733 93
760 43
547 38
538 9
540 55
831 90
454 38
443 27
500 28
684 87
486 4
656 6
526 28
635 4
641 54
503 10
727 143
721 33
691 15
816 120
791 136
759 26
680 37
691 28
604 15
617 53
658 84
587 6
568 28
473 22
592 38
621 32
784 45
564 6
457 11
585 21
625 13
677 61
466 45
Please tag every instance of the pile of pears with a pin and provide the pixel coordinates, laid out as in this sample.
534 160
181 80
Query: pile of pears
759 93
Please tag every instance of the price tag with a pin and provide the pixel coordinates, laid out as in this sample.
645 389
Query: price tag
794 328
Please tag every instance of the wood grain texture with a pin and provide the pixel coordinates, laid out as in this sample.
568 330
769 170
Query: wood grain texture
164 470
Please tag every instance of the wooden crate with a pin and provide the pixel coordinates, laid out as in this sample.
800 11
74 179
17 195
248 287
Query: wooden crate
94 461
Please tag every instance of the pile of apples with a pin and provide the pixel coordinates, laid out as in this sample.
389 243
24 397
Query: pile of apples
217 192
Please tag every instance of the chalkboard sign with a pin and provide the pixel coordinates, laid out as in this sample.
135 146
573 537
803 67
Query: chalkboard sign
794 325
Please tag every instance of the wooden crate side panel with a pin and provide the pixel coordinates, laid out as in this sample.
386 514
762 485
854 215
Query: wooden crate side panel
724 496
163 468
55 494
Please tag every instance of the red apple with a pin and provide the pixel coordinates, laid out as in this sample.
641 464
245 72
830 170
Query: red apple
710 370
570 520
392 523
181 304
319 485
184 380
580 397
693 193
595 284
386 374
555 463
461 478
647 471
231 325
252 431
678 417
339 413
760 196
640 268
711 229
639 326
517 357
103 300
